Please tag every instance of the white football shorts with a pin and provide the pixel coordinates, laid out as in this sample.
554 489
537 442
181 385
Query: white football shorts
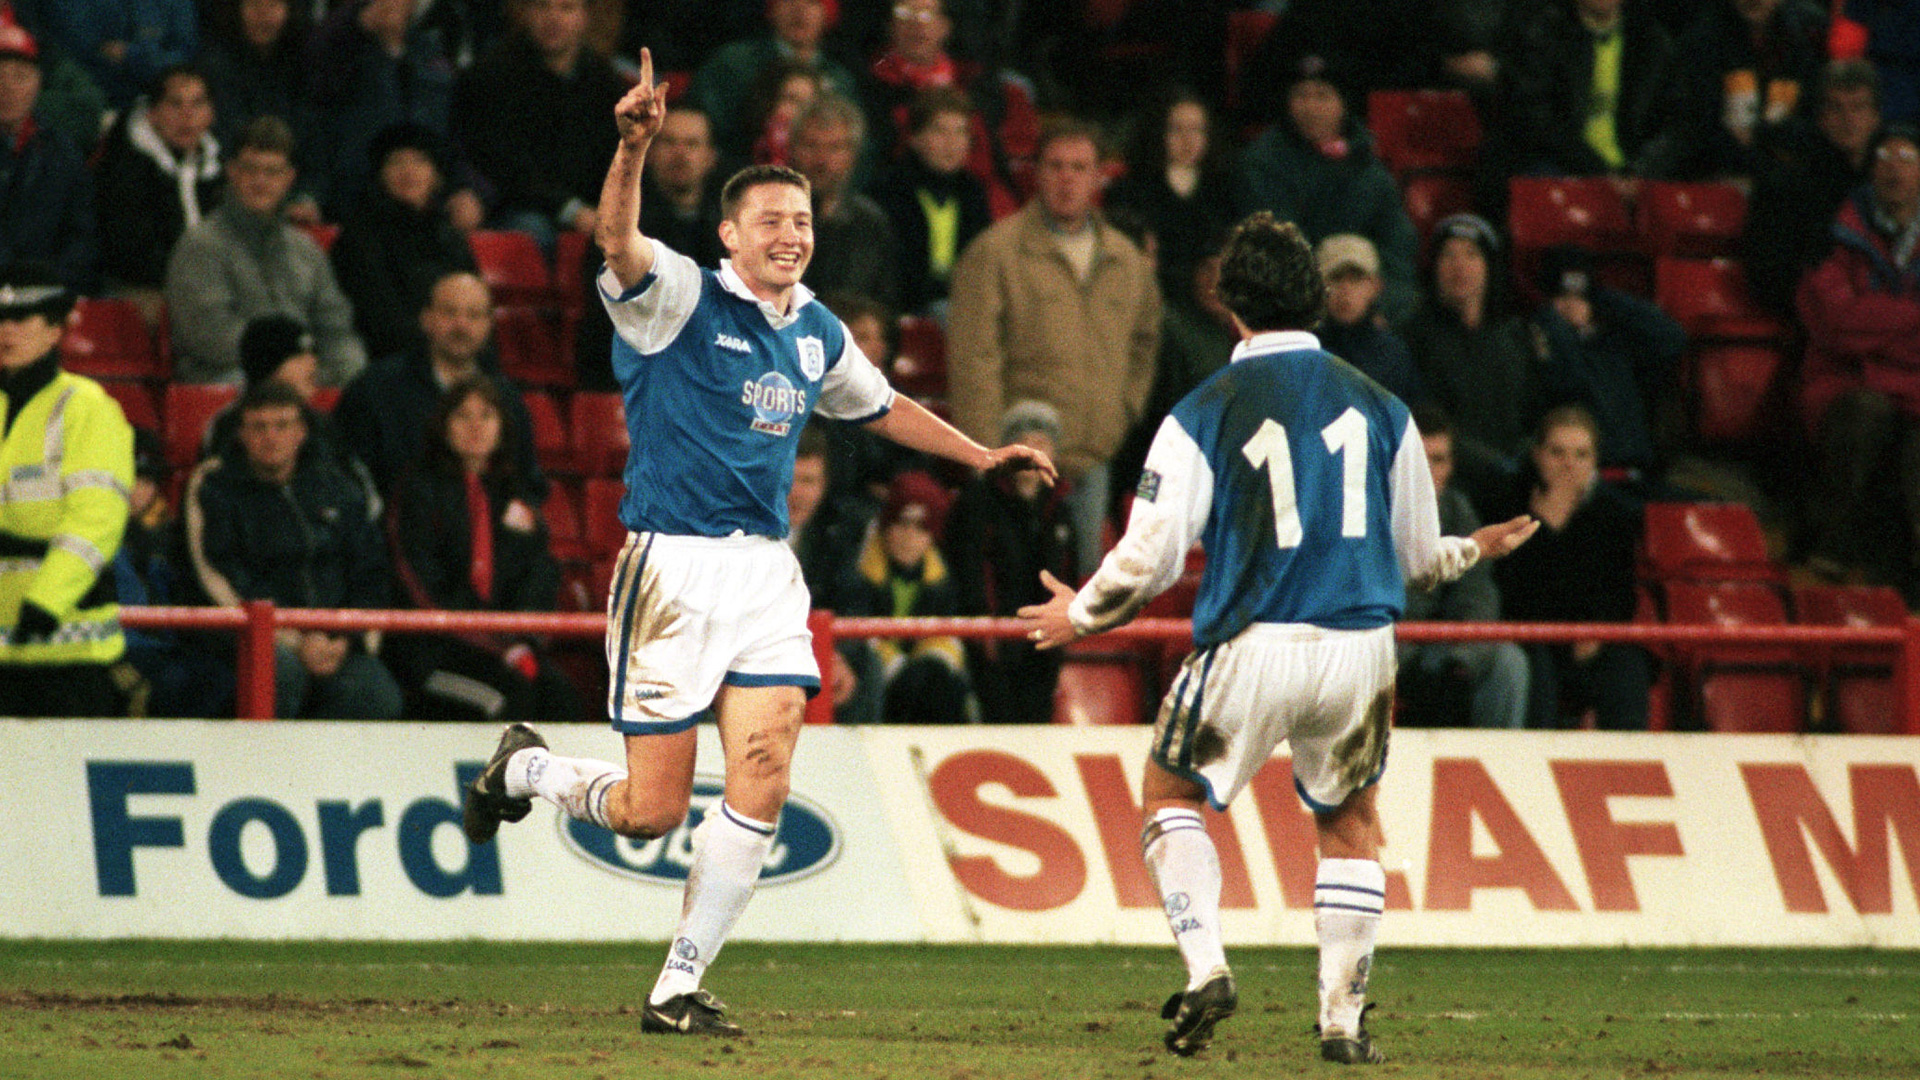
1327 693
688 613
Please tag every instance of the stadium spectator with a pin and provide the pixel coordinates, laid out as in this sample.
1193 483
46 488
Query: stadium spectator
48 214
255 60
1893 46
531 117
901 573
1578 568
1180 180
1859 398
245 260
1293 628
69 102
1480 684
705 510
277 522
1742 68
463 540
1353 329
721 85
864 464
1001 532
853 243
825 534
935 207
400 239
386 413
1806 169
1616 354
122 45
159 173
779 94
1373 44
67 455
372 64
1316 167
1477 360
1056 305
1582 92
1004 124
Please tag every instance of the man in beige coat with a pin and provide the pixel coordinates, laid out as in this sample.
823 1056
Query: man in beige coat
1055 304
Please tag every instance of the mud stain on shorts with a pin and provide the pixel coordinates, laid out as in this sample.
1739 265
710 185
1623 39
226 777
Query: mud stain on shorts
1209 746
1356 758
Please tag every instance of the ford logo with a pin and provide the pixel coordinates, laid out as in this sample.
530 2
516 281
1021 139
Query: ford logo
806 842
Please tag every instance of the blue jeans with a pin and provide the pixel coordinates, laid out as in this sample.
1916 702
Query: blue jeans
361 690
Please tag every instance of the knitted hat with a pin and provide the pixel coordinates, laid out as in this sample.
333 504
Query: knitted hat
1565 271
1468 226
1022 417
269 341
917 497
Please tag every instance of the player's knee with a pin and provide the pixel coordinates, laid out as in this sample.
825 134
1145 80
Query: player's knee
641 820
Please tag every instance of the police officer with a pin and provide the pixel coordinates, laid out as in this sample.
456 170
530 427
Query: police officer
66 465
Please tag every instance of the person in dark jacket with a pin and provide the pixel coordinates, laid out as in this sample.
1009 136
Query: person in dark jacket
1180 180
825 534
1579 567
394 244
1002 531
1352 329
47 214
385 413
280 523
254 57
462 540
935 205
1554 116
159 172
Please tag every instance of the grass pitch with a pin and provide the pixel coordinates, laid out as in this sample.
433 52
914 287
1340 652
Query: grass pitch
217 1010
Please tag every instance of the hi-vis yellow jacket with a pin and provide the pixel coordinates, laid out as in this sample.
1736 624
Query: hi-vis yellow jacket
66 467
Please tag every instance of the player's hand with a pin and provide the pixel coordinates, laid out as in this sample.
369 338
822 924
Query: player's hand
643 109
1048 625
1016 457
1501 539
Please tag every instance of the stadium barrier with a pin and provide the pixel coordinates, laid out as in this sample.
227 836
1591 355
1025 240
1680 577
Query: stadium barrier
256 621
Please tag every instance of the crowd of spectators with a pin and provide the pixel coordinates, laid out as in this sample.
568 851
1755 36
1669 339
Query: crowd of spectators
287 191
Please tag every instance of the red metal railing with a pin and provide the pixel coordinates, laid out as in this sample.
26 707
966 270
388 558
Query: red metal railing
257 621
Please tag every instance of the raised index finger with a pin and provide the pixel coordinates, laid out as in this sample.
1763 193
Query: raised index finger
646 67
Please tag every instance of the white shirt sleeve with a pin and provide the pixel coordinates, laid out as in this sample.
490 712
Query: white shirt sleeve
854 389
1426 558
650 315
1160 530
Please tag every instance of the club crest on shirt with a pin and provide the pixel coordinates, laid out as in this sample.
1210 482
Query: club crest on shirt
813 358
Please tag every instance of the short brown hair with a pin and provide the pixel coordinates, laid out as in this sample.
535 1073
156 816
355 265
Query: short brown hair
753 176
934 102
1267 275
267 134
1060 129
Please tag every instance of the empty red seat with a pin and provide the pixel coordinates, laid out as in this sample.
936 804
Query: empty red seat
1768 702
1424 130
108 338
1429 197
920 367
1736 391
1705 542
1587 212
529 343
1861 697
1691 219
600 439
600 517
1098 690
572 284
1709 298
1728 604
551 447
513 265
137 403
565 534
183 422
1246 29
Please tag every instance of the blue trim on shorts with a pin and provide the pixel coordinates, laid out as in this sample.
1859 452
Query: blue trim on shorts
809 683
629 583
659 727
1322 809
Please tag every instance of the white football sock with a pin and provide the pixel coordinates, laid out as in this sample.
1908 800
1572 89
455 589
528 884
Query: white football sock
729 850
1348 897
1186 870
578 786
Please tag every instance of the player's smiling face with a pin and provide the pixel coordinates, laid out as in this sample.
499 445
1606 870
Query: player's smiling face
770 238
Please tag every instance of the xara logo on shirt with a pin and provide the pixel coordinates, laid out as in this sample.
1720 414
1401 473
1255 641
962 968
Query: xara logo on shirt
775 402
728 341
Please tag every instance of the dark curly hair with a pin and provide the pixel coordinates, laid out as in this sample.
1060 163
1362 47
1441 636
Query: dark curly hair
1268 278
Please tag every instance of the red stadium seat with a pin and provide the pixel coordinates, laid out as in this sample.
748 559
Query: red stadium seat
565 532
1424 130
1739 687
600 517
1861 697
529 343
1728 603
1709 298
550 444
1766 702
1705 542
183 422
920 367
513 265
1429 197
1585 212
1245 31
1700 220
1099 690
1737 391
108 339
137 402
600 439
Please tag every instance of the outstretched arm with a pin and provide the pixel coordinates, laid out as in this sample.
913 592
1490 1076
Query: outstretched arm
639 116
911 425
